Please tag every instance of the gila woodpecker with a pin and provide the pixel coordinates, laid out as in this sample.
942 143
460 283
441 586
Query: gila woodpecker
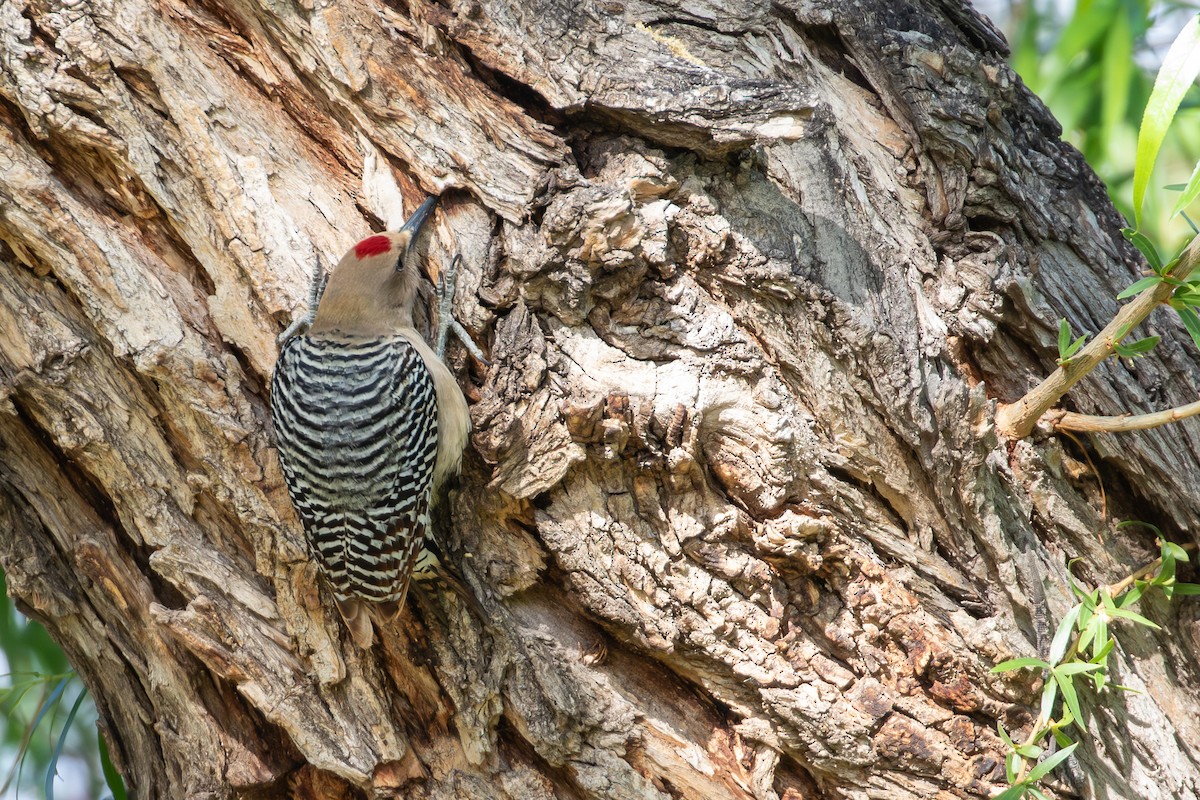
370 423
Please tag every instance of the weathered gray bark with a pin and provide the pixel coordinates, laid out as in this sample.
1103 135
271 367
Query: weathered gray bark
752 277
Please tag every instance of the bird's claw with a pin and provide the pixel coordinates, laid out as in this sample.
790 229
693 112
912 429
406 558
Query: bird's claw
316 290
446 321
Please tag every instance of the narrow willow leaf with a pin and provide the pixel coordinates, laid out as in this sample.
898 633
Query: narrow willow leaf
1076 667
52 767
1134 594
1128 523
1140 286
1166 573
1004 735
1062 637
1030 751
1182 298
111 776
1175 77
1176 552
49 702
1107 601
1078 590
1069 695
1191 224
1101 652
1124 613
1064 337
1145 246
1043 769
1135 349
1191 322
1087 633
1018 663
1190 192
1116 70
1013 792
1049 695
1011 761
1187 588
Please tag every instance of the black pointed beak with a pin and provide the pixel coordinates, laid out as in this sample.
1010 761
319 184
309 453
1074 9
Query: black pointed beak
418 218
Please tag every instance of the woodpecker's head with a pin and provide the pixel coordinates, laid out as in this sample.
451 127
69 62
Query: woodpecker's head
372 289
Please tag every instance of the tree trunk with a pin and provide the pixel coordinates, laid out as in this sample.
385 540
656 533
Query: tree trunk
752 277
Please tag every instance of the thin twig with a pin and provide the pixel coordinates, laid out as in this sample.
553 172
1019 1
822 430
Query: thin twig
1070 421
1115 589
1096 472
1016 420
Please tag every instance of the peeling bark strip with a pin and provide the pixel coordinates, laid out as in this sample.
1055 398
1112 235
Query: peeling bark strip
752 276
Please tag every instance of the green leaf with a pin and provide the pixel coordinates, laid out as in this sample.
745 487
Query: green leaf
49 703
1076 667
1147 248
1175 77
1049 695
1067 347
1117 67
1102 636
111 776
1128 523
52 768
1013 792
1004 735
1107 601
1056 728
1134 593
1037 794
1135 349
1030 752
1133 617
1086 27
1176 551
1184 298
1101 652
1018 663
1011 762
1062 637
1191 224
1140 286
1061 738
1069 695
1187 588
1191 322
1190 192
1087 633
1079 591
1166 571
1044 768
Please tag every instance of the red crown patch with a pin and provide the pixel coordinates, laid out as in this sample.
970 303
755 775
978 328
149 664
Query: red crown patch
372 246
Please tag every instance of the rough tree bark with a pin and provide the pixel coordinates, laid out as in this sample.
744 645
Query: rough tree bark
752 276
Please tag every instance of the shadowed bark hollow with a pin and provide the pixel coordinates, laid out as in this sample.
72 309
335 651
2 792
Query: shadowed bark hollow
752 277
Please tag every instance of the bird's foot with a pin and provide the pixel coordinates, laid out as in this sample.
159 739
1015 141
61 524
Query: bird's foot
316 290
446 320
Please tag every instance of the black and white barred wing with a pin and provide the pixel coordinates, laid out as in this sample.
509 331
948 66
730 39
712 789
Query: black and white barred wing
356 423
